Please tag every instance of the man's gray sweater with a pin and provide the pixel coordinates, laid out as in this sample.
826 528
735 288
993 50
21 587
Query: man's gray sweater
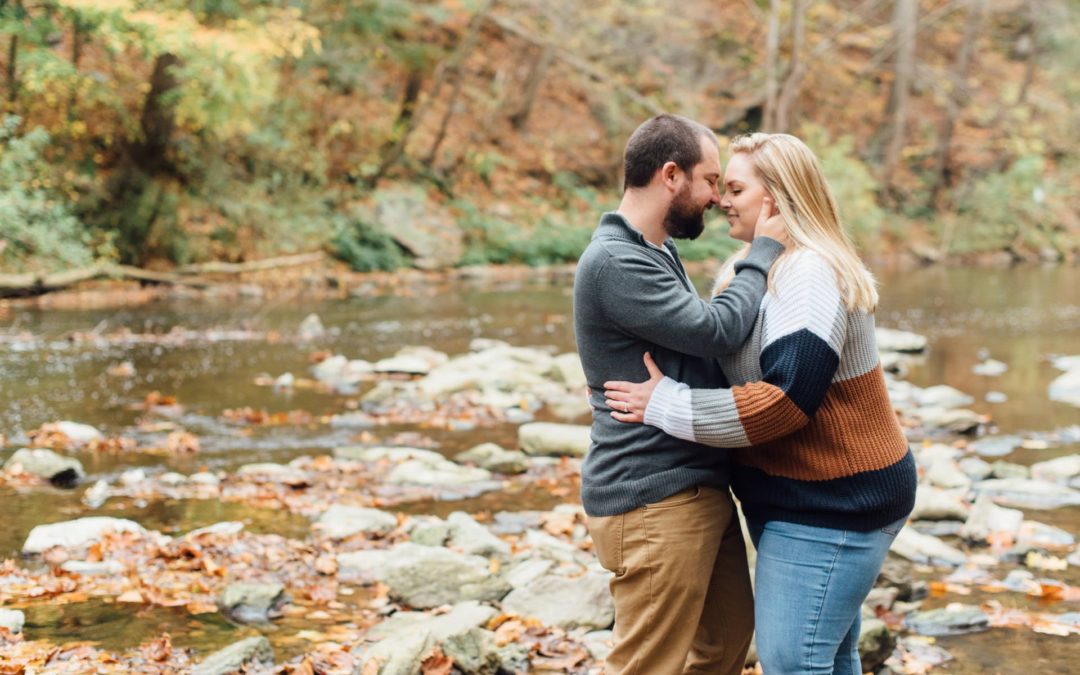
631 298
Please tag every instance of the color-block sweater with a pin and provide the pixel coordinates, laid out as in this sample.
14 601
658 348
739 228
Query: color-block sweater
820 443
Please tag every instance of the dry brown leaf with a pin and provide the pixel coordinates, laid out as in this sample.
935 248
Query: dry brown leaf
437 664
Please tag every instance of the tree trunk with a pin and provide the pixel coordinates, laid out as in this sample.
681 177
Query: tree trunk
13 59
394 149
789 93
158 120
1033 31
955 102
905 18
772 56
451 68
532 86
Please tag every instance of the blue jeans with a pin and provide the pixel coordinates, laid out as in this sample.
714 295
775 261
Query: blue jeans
810 585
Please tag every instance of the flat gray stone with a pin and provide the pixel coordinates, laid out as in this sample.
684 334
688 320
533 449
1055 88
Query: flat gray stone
923 548
436 473
89 569
566 368
341 522
475 652
1032 494
460 619
73 534
1059 469
892 340
426 576
550 439
254 650
400 654
378 454
952 620
583 602
469 536
988 518
428 530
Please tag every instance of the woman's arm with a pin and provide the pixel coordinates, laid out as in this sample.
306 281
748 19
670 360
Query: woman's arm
804 335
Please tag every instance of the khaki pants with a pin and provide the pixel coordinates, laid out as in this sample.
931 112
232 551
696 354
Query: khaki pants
682 594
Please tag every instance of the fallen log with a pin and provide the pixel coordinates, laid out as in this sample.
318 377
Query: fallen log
253 265
23 285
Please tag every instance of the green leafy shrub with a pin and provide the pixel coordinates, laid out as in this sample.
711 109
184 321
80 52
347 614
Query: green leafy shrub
363 246
37 231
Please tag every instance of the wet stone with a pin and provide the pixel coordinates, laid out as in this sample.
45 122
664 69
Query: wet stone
73 534
254 650
952 620
252 603
57 469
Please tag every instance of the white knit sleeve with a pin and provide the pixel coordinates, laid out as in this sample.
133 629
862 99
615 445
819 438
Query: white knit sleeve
671 409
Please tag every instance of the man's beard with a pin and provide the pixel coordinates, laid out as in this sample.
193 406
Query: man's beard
683 219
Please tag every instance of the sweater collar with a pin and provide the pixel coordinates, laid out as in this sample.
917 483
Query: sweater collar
614 225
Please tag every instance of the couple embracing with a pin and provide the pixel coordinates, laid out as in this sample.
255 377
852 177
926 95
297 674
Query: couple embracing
771 388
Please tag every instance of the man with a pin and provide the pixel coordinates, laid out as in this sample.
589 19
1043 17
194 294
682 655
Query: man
660 514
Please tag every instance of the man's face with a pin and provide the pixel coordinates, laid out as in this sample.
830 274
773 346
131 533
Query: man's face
685 218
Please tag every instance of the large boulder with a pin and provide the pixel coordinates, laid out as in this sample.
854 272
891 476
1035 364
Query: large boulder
427 230
57 469
427 576
582 602
74 534
254 650
550 439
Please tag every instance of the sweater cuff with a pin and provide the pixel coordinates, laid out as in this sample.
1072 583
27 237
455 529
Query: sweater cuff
671 409
763 253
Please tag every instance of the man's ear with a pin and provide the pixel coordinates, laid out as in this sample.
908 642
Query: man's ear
669 174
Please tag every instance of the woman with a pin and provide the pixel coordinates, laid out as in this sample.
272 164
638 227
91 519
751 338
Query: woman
823 471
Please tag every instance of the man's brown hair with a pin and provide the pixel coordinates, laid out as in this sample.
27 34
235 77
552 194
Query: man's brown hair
659 140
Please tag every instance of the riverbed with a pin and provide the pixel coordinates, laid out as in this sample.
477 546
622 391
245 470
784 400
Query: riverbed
216 356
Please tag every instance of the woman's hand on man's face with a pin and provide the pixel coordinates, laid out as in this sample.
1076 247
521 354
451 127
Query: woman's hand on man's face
628 400
770 223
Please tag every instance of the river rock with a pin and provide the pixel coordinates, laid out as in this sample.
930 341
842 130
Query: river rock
225 528
475 652
424 228
275 473
400 654
923 548
1024 493
935 504
1058 470
583 602
956 619
425 576
567 369
252 603
996 446
57 469
435 472
951 420
976 468
942 396
253 650
77 433
502 368
470 537
546 438
891 340
205 478
931 454
428 530
1066 388
987 518
341 522
74 534
363 566
989 368
947 474
598 643
876 643
311 328
12 619
546 546
1041 535
495 458
93 569
379 454
460 619
1003 469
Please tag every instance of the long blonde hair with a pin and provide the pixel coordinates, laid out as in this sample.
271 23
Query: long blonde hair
792 175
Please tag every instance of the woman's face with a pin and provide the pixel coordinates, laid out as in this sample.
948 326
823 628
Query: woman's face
743 192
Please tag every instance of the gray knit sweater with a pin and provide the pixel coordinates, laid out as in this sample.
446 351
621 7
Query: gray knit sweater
631 298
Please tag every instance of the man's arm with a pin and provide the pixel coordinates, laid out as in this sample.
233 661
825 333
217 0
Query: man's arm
645 299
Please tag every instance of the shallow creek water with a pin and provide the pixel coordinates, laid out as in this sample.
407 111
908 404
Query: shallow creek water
1018 316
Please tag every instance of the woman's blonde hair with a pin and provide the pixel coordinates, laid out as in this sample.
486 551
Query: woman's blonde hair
792 175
